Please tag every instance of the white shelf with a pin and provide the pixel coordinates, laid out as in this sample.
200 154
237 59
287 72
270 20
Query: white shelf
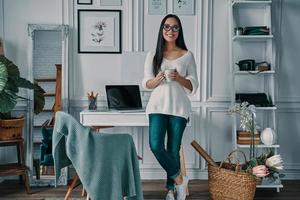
270 186
252 37
254 72
259 146
266 108
249 13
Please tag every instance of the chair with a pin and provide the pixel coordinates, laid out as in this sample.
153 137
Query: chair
46 158
105 171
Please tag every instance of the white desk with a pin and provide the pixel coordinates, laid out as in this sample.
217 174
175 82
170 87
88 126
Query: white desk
102 118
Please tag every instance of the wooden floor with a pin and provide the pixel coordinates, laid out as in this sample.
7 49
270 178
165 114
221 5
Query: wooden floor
153 190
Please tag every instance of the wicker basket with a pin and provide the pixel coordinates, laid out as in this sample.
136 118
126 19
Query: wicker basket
11 129
226 181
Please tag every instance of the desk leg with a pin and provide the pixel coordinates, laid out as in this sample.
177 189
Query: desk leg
182 166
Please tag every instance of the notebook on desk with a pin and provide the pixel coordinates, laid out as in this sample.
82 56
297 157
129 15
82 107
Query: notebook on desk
124 98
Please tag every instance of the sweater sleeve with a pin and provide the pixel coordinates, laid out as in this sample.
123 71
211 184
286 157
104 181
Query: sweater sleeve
148 72
192 75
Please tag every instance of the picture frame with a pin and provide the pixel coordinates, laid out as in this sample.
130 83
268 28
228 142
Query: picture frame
110 2
184 7
157 7
99 31
84 2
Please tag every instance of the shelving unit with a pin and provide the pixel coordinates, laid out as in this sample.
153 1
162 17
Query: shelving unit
247 13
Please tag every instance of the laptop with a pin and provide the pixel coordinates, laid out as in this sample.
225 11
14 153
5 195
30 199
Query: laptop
124 98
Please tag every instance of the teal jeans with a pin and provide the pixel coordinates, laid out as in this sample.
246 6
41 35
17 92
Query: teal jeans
168 157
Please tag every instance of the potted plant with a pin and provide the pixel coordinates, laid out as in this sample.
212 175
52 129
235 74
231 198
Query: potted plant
10 82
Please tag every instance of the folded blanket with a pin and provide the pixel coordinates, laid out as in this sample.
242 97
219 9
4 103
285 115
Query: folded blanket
106 164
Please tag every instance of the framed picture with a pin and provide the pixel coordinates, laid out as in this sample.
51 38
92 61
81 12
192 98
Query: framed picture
110 2
184 7
99 31
85 2
157 7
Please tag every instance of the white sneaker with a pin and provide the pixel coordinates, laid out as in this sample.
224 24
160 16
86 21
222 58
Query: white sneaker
170 195
181 189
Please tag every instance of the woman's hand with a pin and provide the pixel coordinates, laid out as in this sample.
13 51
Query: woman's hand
175 76
181 80
153 83
159 77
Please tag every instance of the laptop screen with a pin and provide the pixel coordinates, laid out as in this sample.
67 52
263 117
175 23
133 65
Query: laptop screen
123 97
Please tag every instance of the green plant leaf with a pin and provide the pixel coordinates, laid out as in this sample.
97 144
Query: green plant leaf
10 82
8 101
39 99
3 76
24 83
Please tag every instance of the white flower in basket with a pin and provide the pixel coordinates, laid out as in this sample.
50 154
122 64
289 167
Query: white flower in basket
275 162
247 121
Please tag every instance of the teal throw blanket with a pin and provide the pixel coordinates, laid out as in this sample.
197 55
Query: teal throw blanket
106 164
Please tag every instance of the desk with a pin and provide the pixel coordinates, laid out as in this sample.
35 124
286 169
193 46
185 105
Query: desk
109 118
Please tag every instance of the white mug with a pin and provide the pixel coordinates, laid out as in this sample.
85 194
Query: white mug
167 72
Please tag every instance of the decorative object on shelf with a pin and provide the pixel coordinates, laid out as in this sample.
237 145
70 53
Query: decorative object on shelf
252 30
256 99
268 136
247 122
263 66
99 31
256 30
85 2
184 7
92 100
246 65
157 7
244 137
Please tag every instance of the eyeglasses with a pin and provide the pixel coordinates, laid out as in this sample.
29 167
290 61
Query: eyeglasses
174 28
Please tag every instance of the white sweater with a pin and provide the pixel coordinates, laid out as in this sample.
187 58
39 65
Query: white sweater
171 97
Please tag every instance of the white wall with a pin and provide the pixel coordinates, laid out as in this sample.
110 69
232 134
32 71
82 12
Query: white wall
206 34
17 15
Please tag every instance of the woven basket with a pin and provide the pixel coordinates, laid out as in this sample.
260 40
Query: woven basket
227 182
11 129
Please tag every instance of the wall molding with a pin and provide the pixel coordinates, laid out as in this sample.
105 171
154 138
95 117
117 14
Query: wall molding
2 36
128 24
279 6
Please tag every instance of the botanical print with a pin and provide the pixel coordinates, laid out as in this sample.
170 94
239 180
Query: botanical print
183 7
181 3
98 34
99 31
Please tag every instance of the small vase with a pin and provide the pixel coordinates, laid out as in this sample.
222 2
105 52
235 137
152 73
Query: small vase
268 136
93 103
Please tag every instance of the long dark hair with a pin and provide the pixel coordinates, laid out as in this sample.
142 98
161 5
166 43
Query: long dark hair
160 46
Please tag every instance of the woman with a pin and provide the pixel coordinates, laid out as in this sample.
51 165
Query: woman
169 106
